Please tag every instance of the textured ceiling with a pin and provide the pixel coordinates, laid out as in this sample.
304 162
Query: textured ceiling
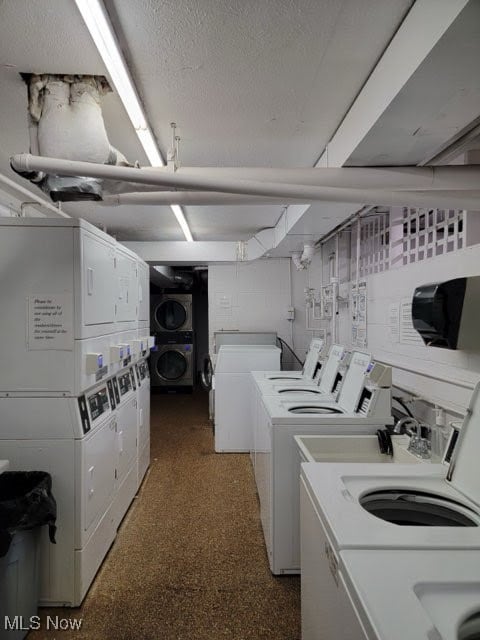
249 83
252 83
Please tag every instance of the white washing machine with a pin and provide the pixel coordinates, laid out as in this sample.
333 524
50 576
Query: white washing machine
398 594
423 507
326 384
233 412
277 465
171 312
143 418
171 365
309 372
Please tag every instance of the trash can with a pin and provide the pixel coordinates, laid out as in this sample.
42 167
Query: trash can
26 503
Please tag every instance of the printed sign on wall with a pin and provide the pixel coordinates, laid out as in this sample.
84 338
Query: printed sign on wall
50 322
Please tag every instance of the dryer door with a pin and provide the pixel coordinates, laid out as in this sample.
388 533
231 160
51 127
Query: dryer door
171 315
172 365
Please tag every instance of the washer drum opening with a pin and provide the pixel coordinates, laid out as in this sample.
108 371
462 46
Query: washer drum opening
417 508
314 410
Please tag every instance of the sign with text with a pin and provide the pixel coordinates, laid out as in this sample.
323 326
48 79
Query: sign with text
50 322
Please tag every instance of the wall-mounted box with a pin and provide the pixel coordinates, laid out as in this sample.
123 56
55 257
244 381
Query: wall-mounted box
445 314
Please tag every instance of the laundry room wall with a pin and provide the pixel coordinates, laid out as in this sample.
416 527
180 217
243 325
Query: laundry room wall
441 377
251 296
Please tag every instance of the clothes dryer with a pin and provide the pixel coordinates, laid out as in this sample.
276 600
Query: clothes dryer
171 365
143 418
171 312
76 441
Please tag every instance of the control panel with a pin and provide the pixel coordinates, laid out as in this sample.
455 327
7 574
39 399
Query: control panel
98 403
124 383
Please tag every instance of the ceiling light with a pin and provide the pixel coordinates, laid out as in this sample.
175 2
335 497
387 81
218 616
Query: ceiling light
100 28
177 210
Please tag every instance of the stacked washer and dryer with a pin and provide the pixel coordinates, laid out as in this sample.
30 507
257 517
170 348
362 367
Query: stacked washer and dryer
74 332
172 363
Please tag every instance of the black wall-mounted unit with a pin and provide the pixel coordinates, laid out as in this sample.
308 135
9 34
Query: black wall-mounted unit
445 314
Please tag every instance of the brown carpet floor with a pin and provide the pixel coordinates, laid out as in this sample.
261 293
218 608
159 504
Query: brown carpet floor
189 561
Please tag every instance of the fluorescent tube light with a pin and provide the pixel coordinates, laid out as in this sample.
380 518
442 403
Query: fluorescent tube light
96 19
177 210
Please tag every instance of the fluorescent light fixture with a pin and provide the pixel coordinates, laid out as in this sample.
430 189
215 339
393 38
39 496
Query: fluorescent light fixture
95 17
177 210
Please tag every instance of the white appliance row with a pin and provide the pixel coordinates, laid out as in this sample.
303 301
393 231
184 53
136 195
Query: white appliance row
234 364
70 295
414 528
96 448
364 405
74 385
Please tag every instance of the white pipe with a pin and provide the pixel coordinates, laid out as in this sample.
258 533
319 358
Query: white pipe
454 177
193 198
471 200
32 196
358 252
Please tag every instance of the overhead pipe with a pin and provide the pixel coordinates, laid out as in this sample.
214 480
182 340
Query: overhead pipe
193 198
395 178
440 199
378 196
228 179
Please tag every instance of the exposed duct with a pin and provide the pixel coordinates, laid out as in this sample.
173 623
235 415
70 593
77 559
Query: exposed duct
65 120
443 187
302 259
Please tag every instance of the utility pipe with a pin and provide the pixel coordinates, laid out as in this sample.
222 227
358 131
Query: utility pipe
445 199
452 177
193 198
32 196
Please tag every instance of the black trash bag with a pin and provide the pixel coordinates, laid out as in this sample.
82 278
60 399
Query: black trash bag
26 502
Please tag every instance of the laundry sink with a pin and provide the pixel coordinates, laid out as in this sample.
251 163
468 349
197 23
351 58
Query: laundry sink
353 449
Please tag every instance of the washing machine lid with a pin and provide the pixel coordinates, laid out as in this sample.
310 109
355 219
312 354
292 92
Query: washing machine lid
171 314
353 382
463 472
330 368
430 593
314 351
